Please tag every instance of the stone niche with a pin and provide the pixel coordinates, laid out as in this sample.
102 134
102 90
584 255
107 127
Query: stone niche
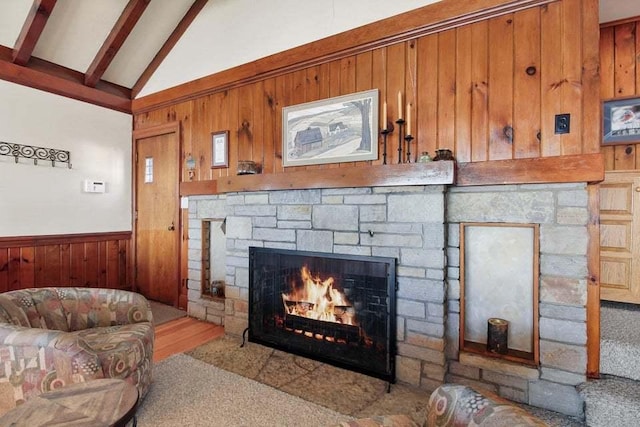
560 211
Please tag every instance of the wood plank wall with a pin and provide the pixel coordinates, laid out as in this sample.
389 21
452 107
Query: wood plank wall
89 260
489 90
620 78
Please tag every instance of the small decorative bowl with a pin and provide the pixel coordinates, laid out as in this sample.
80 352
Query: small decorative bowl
247 167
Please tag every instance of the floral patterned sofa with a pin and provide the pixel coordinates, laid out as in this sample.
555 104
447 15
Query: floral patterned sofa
50 337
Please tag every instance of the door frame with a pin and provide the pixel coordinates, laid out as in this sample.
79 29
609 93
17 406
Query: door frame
150 132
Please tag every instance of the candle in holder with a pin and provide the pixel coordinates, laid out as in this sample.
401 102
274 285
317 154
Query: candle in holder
408 119
384 115
399 105
497 334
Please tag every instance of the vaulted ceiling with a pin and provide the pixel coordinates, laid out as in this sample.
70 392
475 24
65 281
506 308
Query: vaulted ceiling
100 51
105 51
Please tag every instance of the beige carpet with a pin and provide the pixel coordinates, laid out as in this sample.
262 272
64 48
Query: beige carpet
343 391
189 392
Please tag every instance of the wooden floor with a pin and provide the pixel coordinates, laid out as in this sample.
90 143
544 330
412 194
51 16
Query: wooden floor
182 335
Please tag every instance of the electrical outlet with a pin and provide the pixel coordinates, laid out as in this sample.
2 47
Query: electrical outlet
563 123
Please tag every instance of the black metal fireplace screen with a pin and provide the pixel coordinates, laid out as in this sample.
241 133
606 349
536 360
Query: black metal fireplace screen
339 309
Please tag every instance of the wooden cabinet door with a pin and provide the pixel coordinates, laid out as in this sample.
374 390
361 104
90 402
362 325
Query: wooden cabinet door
619 237
157 217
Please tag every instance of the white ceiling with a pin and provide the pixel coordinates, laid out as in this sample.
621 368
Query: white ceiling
612 10
226 33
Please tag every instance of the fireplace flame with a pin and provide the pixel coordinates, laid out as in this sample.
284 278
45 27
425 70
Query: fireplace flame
318 299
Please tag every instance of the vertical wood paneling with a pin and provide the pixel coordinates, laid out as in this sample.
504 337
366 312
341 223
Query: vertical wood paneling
591 101
198 145
65 263
124 261
463 94
624 85
92 265
607 83
219 122
411 98
77 261
245 123
103 263
363 75
378 80
396 57
40 259
281 91
270 124
446 89
257 127
501 87
480 91
571 143
625 62
113 264
347 86
26 268
551 77
15 271
234 133
4 270
467 86
526 85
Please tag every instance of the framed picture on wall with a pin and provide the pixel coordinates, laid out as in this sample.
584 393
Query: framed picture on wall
220 149
333 130
621 121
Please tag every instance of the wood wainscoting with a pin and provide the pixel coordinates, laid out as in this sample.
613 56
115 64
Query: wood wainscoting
99 260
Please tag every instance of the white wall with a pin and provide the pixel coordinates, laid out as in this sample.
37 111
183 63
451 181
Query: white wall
227 33
41 200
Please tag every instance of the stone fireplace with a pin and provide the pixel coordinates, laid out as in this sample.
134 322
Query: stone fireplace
338 309
418 226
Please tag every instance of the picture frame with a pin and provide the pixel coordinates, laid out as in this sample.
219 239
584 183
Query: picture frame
220 149
333 130
621 121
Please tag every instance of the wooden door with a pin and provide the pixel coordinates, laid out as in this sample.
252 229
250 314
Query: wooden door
620 237
157 214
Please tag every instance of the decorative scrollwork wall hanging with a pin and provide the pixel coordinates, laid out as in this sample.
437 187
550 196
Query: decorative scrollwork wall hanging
34 153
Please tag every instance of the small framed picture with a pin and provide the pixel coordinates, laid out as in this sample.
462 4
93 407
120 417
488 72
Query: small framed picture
220 149
621 121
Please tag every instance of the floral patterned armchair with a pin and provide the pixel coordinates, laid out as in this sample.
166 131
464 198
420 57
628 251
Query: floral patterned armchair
50 337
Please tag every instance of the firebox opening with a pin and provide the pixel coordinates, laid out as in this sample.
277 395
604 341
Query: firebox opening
338 309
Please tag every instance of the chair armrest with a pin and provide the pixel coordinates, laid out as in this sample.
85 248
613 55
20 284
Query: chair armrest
57 355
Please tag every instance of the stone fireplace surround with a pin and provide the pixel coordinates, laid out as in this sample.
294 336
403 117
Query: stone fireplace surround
419 225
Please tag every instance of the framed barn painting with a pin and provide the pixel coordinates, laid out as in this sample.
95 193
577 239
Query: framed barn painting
621 121
334 130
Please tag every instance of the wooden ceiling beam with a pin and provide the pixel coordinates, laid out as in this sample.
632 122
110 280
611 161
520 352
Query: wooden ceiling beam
182 26
31 30
53 78
119 33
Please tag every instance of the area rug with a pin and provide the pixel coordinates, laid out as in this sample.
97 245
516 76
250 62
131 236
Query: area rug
189 392
341 390
163 313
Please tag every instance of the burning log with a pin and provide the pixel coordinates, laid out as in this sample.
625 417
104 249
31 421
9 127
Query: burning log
319 300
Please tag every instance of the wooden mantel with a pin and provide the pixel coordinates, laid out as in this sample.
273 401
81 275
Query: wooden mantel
560 169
